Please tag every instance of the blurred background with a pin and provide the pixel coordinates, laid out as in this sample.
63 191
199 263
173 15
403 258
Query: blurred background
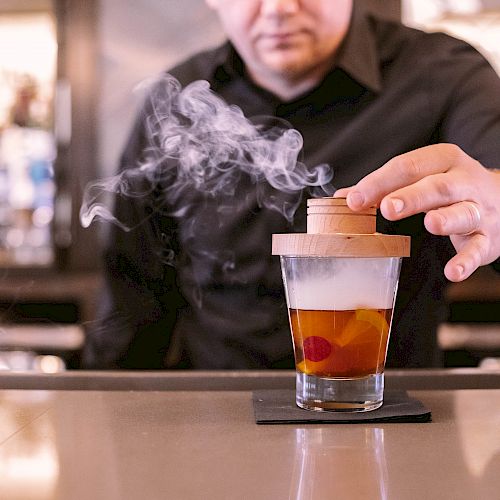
69 73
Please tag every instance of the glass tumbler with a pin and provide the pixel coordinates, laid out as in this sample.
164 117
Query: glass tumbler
340 290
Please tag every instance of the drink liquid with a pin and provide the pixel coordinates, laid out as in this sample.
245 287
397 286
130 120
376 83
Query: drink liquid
346 343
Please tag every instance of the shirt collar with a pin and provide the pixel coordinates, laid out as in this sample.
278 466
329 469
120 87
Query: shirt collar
358 55
229 61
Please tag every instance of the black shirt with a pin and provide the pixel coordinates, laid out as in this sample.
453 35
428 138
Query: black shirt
392 89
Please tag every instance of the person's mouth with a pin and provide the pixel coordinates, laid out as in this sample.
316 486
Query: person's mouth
282 38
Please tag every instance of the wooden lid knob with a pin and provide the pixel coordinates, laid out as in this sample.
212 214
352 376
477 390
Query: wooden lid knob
332 215
334 230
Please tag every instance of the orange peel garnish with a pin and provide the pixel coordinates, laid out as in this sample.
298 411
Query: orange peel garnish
363 321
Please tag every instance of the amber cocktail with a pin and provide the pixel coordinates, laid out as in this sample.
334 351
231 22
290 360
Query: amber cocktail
340 343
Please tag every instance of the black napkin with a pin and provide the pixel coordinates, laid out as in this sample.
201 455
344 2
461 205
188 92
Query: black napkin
278 407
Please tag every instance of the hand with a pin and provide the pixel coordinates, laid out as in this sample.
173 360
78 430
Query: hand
460 197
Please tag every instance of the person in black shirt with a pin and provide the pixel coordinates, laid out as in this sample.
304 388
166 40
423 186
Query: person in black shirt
408 121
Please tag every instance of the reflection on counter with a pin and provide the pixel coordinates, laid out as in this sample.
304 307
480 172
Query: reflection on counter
325 461
480 443
32 471
484 437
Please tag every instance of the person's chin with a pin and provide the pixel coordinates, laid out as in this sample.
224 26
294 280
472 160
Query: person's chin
286 64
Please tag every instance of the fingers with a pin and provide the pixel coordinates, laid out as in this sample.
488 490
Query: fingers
426 194
462 218
342 192
402 171
459 196
472 254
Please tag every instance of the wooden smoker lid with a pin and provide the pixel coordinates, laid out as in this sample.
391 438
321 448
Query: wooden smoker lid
334 230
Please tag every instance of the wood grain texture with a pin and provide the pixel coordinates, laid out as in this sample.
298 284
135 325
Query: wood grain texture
341 245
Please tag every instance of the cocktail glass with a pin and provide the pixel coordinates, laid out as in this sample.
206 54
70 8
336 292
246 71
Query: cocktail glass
340 289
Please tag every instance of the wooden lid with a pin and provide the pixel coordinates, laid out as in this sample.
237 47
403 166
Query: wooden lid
334 230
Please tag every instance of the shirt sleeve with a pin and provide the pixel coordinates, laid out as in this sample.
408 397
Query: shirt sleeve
471 115
471 111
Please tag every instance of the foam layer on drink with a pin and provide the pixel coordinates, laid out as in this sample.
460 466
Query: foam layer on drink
343 285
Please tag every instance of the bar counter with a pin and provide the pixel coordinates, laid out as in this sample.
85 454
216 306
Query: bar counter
192 435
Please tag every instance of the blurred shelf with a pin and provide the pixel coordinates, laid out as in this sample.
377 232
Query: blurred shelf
55 337
475 336
483 285
82 289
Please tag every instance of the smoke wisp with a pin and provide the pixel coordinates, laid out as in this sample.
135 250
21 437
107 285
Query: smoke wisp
197 141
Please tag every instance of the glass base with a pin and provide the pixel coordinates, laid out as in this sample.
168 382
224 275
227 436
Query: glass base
339 394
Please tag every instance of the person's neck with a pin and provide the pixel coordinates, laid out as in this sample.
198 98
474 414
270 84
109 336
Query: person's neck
288 86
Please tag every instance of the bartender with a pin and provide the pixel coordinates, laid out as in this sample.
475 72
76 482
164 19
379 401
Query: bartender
408 121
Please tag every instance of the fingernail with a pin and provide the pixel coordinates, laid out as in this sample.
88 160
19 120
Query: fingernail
356 199
397 205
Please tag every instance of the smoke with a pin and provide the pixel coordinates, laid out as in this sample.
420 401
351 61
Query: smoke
202 162
198 145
